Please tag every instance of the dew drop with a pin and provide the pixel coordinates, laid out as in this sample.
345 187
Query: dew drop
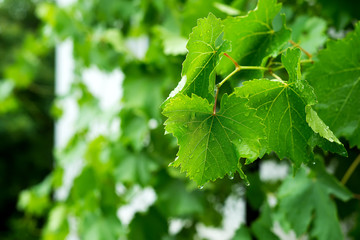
231 175
247 184
313 163
201 187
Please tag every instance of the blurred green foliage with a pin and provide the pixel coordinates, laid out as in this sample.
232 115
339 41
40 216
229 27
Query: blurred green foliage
26 126
137 155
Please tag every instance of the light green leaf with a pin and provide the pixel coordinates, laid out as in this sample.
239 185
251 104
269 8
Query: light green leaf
309 33
195 9
211 144
253 37
57 226
135 168
96 226
336 81
319 126
325 137
204 46
173 43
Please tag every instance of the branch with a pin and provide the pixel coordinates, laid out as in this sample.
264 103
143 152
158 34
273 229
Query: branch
350 170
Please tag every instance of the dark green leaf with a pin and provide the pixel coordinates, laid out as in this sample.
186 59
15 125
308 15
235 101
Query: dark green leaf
336 81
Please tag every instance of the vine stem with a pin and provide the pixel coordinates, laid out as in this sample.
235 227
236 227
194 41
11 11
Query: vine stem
350 170
216 96
303 50
238 68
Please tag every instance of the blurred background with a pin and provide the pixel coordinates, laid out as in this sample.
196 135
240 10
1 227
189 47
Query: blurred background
83 153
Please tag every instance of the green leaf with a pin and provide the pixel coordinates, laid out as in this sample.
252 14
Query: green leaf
319 126
97 226
174 200
173 43
57 226
282 109
195 9
329 181
309 33
204 46
135 168
211 144
263 225
282 105
150 225
336 81
36 200
135 128
242 234
253 37
325 137
304 200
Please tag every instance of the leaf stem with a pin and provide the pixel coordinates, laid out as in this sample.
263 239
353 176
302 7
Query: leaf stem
303 50
276 76
350 170
216 96
254 68
233 60
228 76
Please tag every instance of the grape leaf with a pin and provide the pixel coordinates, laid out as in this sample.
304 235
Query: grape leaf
324 138
137 168
335 78
253 37
282 105
193 10
306 199
175 200
211 144
204 46
262 227
309 32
